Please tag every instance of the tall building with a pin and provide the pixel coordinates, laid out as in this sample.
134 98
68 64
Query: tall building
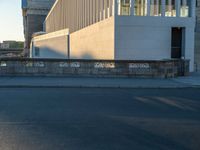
118 30
197 38
34 14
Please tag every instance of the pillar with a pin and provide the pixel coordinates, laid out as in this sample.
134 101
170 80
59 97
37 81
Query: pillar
157 7
178 7
132 7
192 8
163 7
169 9
148 7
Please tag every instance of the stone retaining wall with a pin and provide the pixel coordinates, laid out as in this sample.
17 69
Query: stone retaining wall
93 68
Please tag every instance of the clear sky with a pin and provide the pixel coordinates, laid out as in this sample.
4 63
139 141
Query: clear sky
11 23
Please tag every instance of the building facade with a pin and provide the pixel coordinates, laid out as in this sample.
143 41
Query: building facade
11 45
34 13
4 45
119 30
197 38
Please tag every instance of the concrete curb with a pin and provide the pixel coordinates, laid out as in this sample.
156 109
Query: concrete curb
98 86
122 83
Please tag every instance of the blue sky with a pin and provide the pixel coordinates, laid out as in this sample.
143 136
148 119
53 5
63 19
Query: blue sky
11 23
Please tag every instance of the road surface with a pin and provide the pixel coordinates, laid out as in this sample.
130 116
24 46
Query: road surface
99 119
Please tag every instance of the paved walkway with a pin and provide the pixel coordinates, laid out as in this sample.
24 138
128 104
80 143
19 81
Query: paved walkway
181 82
192 80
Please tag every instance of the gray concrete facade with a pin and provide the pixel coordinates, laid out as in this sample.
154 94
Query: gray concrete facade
77 14
140 31
34 13
51 45
197 38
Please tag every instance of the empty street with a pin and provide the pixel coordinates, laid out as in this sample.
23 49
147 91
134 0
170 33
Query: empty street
99 119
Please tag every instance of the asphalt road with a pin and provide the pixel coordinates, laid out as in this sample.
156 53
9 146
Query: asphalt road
99 119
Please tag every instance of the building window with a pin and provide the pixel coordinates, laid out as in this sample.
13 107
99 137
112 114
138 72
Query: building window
37 51
155 8
170 8
125 8
184 11
140 8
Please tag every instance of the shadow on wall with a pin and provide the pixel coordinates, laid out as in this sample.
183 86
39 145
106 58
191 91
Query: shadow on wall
47 52
84 56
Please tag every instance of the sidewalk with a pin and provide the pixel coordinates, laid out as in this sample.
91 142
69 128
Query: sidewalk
192 80
74 82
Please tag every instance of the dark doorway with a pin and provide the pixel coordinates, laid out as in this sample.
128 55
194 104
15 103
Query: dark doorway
176 51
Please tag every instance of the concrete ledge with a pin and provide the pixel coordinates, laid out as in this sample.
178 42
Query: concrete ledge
71 82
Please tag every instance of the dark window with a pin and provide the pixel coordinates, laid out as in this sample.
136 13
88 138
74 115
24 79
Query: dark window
37 51
176 43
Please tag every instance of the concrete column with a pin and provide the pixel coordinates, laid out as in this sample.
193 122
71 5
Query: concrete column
90 14
183 7
170 7
178 7
157 7
192 8
132 7
104 10
98 11
163 7
152 7
84 18
116 7
108 8
101 10
113 7
148 7
141 8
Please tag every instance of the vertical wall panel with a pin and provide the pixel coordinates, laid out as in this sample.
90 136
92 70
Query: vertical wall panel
77 14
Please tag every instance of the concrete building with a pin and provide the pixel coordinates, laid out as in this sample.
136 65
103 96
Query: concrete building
11 44
197 38
34 14
4 45
118 30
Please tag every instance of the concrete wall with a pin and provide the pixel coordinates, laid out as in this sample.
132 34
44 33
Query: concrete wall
149 38
34 24
119 37
77 14
52 45
93 42
93 68
197 38
40 4
34 15
197 51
